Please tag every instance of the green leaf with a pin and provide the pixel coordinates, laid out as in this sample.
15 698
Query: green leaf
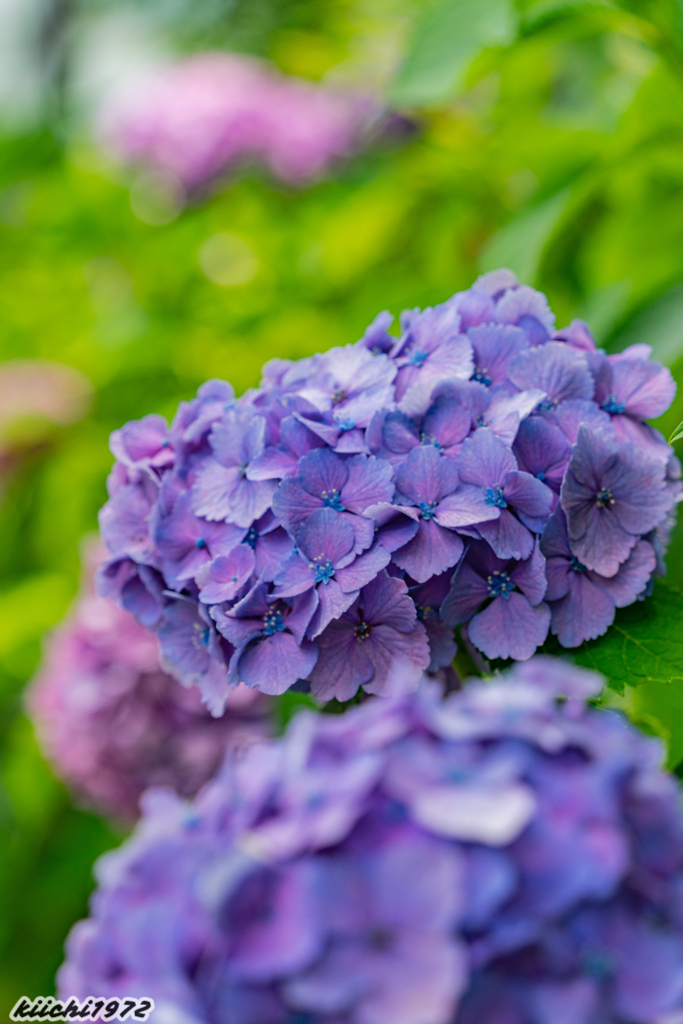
677 434
645 644
520 244
447 39
660 324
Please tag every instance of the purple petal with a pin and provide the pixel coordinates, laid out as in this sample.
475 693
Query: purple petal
432 551
554 368
343 663
585 612
530 498
569 416
238 437
224 577
529 576
399 659
426 477
542 450
332 603
510 628
507 536
292 504
322 473
468 592
484 459
465 507
386 600
395 526
632 577
363 569
369 483
446 423
495 346
272 551
325 536
645 389
274 663
249 500
213 488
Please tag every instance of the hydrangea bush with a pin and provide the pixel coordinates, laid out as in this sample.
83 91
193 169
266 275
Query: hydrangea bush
333 525
496 857
214 111
113 723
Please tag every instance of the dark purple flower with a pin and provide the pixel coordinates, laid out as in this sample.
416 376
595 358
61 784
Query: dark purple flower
555 368
582 602
578 335
192 652
377 337
271 651
542 450
612 495
377 644
516 619
125 521
428 599
529 310
185 542
486 463
430 349
325 560
347 486
194 419
495 347
494 407
632 390
222 489
223 578
427 490
139 589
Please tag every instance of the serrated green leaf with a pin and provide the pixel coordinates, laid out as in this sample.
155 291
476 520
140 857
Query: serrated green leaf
446 40
645 644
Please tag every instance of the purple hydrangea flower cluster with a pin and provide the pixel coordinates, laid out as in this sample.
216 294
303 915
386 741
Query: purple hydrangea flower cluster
113 723
336 523
211 112
497 857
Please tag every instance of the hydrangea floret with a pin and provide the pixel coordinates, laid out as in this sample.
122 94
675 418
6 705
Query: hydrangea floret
480 447
506 854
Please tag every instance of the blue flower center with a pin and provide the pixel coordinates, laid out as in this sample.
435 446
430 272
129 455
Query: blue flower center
541 476
598 965
613 406
200 543
332 500
429 439
427 509
344 422
362 631
481 422
250 537
243 470
417 358
322 571
494 496
604 497
576 565
500 584
272 623
165 443
422 611
547 405
338 395
481 374
201 636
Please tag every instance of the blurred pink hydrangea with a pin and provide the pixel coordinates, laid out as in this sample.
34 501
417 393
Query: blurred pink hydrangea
112 723
203 115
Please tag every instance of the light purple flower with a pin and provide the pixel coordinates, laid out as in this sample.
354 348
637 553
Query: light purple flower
582 602
222 489
578 335
632 390
282 460
542 450
347 486
348 383
485 462
430 349
529 310
377 644
185 542
143 443
139 589
112 723
271 651
495 347
125 521
516 619
326 560
612 495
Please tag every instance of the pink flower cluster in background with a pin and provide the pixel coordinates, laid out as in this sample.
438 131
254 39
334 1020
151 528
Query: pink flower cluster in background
112 722
211 112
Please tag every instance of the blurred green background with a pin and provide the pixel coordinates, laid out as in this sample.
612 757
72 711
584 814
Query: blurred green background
545 136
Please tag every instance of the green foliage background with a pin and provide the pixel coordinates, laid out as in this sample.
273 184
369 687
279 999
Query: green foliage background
548 138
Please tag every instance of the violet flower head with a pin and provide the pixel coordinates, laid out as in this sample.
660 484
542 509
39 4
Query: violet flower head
439 457
113 723
498 855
